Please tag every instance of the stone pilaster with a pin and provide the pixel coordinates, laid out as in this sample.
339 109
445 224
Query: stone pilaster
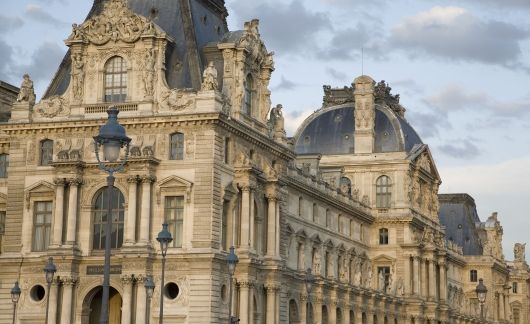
54 292
130 220
72 211
68 296
145 221
57 237
127 283
141 299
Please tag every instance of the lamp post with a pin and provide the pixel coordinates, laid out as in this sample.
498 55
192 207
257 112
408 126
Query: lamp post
113 138
15 295
309 280
232 261
50 269
149 287
481 291
164 238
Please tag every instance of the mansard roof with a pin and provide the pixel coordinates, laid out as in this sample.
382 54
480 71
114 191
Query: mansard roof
190 23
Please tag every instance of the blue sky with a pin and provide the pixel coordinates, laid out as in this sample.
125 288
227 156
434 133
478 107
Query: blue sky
462 69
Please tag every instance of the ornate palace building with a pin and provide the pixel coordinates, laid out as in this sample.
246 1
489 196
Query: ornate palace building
353 195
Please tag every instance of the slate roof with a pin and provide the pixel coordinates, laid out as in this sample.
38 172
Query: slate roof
208 24
458 213
331 131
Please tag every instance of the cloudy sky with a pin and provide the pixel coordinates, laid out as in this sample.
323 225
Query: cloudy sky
462 69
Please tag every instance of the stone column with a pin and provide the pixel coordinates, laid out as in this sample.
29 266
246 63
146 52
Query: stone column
68 296
317 310
432 280
126 309
244 287
277 238
416 275
130 220
141 299
507 302
332 311
408 276
57 237
271 304
251 219
245 217
277 297
423 279
146 209
303 309
52 313
271 225
358 315
443 282
72 212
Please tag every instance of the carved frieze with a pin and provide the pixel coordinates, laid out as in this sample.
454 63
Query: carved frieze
115 23
53 107
176 99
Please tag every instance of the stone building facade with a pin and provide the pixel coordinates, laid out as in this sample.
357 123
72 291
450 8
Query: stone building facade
8 95
353 196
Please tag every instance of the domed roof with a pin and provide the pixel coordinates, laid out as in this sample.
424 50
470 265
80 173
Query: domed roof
331 130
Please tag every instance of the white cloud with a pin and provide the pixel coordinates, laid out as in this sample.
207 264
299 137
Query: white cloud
454 33
293 120
38 14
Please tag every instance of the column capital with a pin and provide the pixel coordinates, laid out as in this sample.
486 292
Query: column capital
272 287
69 281
272 197
60 182
245 284
127 279
140 279
147 179
132 179
75 181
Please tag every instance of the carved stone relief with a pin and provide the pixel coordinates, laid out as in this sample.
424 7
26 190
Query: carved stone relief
176 99
53 107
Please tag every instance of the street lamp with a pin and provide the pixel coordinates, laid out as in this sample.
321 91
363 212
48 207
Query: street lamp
113 138
481 291
164 238
50 269
232 261
15 295
149 287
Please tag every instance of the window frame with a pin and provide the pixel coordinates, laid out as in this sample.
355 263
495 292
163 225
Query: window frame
515 287
176 147
122 77
4 165
177 239
46 239
383 236
46 153
383 192
102 223
473 275
248 96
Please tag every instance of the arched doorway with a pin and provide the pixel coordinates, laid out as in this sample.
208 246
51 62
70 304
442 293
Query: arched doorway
293 312
92 306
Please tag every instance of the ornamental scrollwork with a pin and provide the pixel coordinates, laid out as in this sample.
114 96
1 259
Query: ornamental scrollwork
52 107
176 99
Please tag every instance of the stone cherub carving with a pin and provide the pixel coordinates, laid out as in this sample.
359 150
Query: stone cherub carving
27 93
519 252
209 78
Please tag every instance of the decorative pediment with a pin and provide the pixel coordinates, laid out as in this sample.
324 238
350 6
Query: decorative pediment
115 23
383 258
423 160
174 184
39 189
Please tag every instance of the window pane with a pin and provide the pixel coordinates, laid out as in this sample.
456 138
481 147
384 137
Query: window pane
174 214
100 219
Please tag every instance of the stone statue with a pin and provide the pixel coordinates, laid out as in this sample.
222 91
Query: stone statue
149 72
519 252
389 285
77 76
209 78
400 289
381 281
316 263
276 122
77 33
27 93
357 272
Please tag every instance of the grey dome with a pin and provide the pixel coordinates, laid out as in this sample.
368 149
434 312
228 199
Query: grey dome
331 131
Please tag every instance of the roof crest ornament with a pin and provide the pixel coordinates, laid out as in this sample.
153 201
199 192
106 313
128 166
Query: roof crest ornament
383 95
115 23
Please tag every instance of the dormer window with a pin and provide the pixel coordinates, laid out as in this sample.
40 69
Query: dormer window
247 104
115 80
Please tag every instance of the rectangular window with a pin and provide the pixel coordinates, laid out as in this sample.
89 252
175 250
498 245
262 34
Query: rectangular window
227 150
2 222
328 218
224 229
174 216
42 222
514 287
300 206
46 152
4 163
473 276
176 149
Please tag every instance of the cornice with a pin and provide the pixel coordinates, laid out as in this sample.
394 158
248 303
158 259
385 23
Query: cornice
310 191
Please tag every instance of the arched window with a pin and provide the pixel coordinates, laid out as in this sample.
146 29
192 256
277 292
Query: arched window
115 79
383 236
46 152
101 204
176 146
383 192
247 104
4 163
